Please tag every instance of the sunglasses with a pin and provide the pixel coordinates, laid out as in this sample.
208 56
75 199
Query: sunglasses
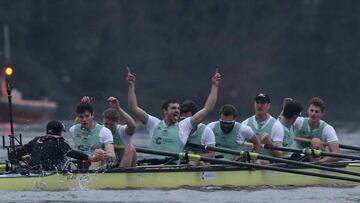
227 122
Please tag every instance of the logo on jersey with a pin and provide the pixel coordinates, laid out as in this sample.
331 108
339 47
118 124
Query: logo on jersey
158 140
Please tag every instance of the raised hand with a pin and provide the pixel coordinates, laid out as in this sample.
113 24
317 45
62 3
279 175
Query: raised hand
130 77
113 102
86 100
216 79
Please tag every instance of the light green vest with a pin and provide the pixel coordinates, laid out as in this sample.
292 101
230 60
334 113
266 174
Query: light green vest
87 141
288 135
306 132
167 138
227 140
195 137
260 130
118 141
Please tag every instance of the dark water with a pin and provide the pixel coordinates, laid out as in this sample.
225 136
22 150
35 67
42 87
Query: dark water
280 195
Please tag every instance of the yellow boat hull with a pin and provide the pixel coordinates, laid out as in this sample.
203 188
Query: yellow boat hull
166 179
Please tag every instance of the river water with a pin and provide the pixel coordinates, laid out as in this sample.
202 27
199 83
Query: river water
272 194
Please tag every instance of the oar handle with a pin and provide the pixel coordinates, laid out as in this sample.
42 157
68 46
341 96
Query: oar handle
267 146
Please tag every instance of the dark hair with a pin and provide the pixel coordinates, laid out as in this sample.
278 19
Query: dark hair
188 106
292 108
261 97
55 127
228 110
316 101
165 104
82 108
111 114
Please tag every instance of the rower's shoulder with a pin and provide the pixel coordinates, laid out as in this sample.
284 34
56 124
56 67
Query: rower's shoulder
73 127
245 129
299 122
329 129
246 121
211 125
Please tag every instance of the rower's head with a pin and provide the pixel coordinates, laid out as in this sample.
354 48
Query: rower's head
55 128
228 115
262 105
292 110
85 113
316 109
111 118
187 109
171 110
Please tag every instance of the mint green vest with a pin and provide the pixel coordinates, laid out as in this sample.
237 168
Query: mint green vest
195 137
227 140
167 138
306 132
118 141
260 130
288 136
87 141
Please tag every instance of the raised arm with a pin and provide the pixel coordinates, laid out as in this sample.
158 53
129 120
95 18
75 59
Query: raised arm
133 105
113 102
210 102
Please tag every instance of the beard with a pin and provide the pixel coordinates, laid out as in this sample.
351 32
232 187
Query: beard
226 129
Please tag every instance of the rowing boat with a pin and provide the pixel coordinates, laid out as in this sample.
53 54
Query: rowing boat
229 174
169 177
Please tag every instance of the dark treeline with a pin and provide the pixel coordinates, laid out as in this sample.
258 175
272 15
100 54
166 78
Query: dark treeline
63 50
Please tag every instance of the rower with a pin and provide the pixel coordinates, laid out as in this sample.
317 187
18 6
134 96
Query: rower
48 152
89 136
269 130
201 135
231 134
313 132
291 111
124 150
170 134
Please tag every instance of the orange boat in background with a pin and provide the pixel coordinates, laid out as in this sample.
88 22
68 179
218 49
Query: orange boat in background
24 110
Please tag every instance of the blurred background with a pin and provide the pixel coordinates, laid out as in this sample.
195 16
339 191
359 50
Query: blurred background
63 50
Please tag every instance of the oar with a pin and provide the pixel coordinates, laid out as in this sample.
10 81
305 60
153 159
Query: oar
195 157
313 152
344 146
254 156
351 147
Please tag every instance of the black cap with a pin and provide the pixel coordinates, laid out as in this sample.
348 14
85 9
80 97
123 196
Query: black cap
262 98
55 128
